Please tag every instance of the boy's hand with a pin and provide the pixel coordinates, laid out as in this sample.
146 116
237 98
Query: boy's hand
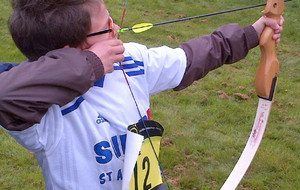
264 21
110 52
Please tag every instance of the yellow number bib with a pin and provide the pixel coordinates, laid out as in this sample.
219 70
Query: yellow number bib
146 173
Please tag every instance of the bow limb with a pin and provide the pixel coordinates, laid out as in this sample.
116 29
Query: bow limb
265 85
124 13
123 16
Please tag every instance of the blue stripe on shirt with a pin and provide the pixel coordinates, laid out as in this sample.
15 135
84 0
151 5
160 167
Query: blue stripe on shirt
135 73
139 63
7 66
136 64
127 59
100 82
131 65
73 107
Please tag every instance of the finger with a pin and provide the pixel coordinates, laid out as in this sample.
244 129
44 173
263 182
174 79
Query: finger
116 50
282 20
272 23
276 36
279 30
113 42
120 49
109 70
119 58
108 43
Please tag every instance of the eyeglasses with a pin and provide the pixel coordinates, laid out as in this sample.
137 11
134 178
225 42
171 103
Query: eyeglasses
110 29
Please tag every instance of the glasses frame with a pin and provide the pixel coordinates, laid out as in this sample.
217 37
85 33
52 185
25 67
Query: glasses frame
111 27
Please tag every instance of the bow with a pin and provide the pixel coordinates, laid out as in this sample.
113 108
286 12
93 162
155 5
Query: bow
265 85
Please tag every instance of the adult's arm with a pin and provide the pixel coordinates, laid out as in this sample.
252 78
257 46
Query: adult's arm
28 90
228 44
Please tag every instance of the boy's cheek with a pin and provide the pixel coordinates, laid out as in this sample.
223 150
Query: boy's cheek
95 39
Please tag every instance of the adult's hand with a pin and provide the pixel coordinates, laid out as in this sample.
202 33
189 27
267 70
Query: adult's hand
264 21
110 52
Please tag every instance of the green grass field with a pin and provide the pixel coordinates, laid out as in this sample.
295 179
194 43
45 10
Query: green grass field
205 131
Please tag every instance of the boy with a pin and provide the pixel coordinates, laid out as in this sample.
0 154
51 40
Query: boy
81 145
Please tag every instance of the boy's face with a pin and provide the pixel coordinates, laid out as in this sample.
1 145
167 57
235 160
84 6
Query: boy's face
101 22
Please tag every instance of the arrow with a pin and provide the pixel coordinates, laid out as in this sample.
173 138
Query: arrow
138 28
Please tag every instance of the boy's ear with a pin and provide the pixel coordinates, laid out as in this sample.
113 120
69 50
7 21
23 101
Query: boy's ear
66 46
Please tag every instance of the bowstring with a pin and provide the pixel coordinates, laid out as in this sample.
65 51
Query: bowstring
138 109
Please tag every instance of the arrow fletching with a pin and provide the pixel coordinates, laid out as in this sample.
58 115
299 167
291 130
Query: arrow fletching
138 28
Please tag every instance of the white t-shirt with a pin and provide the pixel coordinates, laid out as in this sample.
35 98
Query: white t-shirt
82 144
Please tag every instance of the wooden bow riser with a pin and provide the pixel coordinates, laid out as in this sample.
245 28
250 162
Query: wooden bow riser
269 65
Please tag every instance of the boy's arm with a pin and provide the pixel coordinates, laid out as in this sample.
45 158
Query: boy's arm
28 90
228 44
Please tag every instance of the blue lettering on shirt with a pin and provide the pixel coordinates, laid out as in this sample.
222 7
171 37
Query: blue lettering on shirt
104 149
102 180
110 176
116 146
120 176
123 142
103 152
100 119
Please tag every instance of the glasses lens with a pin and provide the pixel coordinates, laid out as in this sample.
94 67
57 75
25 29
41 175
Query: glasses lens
111 29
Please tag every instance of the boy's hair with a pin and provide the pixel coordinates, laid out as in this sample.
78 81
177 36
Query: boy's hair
39 26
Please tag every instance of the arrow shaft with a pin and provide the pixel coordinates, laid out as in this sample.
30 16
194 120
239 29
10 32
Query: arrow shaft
212 14
209 14
198 16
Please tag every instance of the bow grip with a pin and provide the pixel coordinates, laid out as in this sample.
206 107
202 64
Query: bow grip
265 80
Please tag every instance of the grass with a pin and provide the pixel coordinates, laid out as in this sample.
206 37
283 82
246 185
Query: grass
204 133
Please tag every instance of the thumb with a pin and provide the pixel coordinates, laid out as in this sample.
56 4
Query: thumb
271 23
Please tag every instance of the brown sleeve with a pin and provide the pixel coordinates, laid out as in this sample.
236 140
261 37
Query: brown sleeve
28 90
228 44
